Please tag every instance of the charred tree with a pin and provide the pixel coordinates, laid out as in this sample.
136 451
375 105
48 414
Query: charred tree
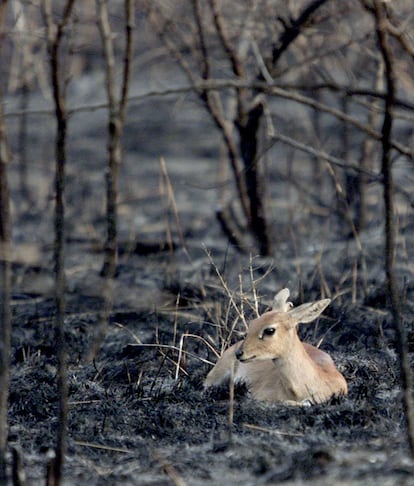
117 115
380 15
55 34
5 278
240 133
117 107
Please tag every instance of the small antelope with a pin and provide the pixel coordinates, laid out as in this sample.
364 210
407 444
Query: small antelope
275 365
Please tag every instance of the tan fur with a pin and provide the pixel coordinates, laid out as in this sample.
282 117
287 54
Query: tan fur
279 367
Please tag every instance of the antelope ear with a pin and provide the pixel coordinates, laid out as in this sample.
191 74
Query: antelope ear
280 302
308 312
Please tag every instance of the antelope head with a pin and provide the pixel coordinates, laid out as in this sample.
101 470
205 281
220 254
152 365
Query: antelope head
274 334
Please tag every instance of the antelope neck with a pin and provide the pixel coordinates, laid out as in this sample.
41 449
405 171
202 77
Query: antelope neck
296 364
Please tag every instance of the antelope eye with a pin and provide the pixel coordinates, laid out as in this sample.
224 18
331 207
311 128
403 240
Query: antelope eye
269 331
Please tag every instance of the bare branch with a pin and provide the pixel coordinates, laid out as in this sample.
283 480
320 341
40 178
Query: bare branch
232 56
220 84
108 49
398 32
162 27
236 65
205 62
293 29
128 55
211 105
303 147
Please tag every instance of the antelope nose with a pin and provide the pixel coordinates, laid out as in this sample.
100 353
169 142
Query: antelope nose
239 352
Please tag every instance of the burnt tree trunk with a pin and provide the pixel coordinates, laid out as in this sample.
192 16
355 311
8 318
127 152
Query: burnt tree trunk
5 292
248 132
5 281
380 15
55 33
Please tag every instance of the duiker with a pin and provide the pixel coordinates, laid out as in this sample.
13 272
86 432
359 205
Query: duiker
275 365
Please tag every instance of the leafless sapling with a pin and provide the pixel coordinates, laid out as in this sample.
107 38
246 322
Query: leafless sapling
55 34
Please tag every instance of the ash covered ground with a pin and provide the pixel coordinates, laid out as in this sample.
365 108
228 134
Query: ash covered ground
138 414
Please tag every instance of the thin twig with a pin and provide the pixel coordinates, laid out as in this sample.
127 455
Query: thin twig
173 203
323 155
217 84
294 29
253 287
212 105
225 286
129 6
205 59
272 431
402 35
176 348
231 55
100 446
181 351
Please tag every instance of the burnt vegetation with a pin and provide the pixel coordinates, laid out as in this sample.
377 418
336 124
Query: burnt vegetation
166 168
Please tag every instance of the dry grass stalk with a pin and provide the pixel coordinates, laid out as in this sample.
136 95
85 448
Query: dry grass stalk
182 353
101 447
225 287
272 431
173 204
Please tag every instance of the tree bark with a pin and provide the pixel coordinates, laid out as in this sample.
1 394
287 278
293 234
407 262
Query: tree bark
249 148
5 279
54 43
390 232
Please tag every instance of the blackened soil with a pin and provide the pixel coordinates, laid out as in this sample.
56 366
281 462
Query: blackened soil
137 412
